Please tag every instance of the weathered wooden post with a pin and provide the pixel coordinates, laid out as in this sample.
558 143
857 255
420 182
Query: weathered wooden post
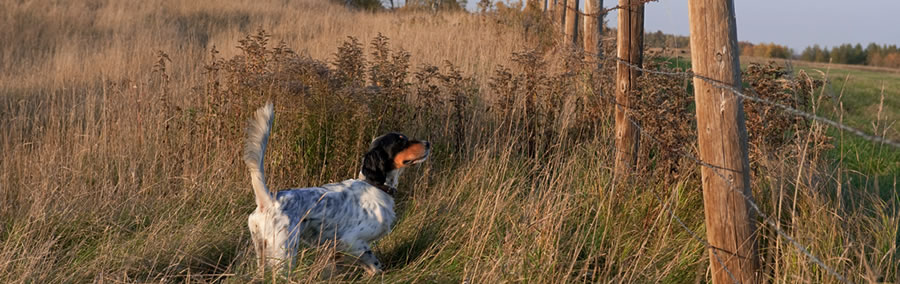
559 14
630 47
593 29
722 136
571 16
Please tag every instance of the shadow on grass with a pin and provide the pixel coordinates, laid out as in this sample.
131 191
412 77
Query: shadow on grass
413 246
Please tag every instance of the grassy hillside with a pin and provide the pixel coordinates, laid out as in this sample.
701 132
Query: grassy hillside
121 126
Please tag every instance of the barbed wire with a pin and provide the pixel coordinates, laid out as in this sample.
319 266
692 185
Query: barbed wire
749 200
752 203
604 11
712 249
715 170
697 237
739 93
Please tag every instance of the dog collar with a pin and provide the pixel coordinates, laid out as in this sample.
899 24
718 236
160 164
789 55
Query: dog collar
387 189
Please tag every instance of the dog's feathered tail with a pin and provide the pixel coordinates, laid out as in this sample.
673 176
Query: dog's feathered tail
255 151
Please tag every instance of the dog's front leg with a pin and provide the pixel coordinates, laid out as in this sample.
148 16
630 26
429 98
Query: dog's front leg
370 262
365 256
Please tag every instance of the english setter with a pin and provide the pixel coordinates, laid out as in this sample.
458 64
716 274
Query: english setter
353 213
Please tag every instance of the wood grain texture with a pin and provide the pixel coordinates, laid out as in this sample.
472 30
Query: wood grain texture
630 48
722 136
593 29
571 30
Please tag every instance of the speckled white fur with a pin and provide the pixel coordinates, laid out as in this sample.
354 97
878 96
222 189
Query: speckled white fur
353 212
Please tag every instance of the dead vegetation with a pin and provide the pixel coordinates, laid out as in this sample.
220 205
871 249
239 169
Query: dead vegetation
125 168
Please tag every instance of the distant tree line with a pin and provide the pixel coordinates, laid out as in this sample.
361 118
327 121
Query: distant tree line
662 40
659 39
770 50
376 5
436 5
873 54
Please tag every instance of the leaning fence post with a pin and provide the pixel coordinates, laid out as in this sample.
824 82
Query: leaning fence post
722 136
571 29
593 30
630 47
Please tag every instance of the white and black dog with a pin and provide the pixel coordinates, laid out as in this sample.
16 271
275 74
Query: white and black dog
353 213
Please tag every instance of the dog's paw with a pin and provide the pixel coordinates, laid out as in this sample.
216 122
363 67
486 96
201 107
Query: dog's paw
371 264
372 271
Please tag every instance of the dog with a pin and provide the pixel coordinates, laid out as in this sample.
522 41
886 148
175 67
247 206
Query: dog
351 214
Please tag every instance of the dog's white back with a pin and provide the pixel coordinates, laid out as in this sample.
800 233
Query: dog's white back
353 213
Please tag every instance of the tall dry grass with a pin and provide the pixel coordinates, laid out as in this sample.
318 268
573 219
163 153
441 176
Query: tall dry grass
121 130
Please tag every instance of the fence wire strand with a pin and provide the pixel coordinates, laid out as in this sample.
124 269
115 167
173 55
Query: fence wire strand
725 86
753 205
604 11
739 93
801 248
736 91
694 235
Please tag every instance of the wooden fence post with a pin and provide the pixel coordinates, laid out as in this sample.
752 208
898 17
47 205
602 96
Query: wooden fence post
571 16
593 29
551 12
559 15
630 47
722 136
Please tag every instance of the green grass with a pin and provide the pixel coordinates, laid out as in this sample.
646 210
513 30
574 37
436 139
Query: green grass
868 101
861 93
108 175
870 165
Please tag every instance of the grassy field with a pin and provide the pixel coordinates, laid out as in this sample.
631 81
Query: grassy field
870 101
861 89
121 127
867 99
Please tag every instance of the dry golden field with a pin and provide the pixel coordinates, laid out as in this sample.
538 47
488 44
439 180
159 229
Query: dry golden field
121 126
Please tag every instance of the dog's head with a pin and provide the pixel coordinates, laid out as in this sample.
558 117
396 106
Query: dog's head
389 154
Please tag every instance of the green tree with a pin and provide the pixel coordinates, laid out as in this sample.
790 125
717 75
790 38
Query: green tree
371 5
436 5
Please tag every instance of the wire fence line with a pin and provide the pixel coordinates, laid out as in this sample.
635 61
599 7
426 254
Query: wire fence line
668 207
716 170
604 11
694 235
723 85
739 93
749 199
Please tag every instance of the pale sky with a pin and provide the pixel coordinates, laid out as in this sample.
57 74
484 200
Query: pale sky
795 23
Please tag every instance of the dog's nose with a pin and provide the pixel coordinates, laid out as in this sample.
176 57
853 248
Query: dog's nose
427 145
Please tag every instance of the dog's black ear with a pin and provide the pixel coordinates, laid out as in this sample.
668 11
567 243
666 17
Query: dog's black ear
374 165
